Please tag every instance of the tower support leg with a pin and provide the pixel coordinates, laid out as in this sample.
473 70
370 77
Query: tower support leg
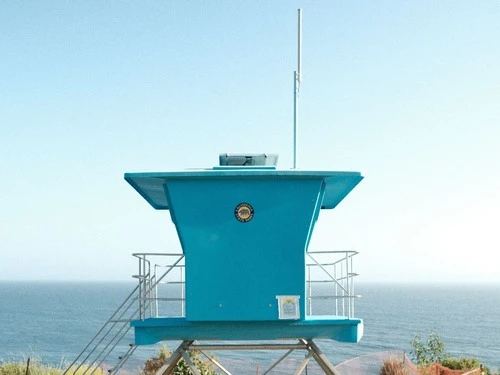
320 358
175 357
305 344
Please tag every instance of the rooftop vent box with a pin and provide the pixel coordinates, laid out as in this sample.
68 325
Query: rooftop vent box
248 160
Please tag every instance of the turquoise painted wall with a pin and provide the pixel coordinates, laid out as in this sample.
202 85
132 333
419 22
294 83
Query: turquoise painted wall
234 269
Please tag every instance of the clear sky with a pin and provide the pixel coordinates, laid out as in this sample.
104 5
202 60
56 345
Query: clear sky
406 92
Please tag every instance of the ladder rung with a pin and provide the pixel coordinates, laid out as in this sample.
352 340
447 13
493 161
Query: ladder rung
120 321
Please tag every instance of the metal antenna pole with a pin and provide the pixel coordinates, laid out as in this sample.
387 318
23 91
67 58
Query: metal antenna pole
297 75
299 49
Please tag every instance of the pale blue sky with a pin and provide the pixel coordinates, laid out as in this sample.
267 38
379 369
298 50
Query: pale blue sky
406 92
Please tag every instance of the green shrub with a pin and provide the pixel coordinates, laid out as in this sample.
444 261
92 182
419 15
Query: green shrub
461 363
152 365
432 352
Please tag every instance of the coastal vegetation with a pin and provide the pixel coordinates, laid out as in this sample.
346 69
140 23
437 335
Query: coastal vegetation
430 358
427 354
394 366
430 352
152 365
36 367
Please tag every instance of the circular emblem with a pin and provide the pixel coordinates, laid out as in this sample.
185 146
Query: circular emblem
243 212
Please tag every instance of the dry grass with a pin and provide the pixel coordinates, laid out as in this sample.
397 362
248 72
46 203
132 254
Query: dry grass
393 366
37 368
438 369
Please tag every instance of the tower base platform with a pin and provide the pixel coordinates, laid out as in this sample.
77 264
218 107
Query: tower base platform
338 328
302 344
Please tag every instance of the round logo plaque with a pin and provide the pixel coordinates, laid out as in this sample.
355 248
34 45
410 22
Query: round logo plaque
243 212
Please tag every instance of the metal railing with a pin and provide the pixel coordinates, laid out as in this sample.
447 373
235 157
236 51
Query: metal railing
161 284
329 284
161 292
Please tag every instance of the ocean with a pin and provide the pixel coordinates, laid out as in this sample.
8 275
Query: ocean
53 321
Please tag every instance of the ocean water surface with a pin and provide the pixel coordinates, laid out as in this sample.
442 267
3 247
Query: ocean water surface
54 321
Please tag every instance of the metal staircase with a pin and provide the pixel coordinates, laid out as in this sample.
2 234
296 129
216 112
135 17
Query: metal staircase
115 333
107 339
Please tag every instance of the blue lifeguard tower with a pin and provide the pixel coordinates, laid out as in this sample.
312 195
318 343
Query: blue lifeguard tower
245 272
245 278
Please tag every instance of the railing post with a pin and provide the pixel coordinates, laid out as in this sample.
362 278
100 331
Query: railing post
347 284
149 290
183 291
141 317
309 290
155 296
144 287
336 290
351 291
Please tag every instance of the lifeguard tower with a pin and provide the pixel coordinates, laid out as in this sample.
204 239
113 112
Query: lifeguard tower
245 278
245 272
